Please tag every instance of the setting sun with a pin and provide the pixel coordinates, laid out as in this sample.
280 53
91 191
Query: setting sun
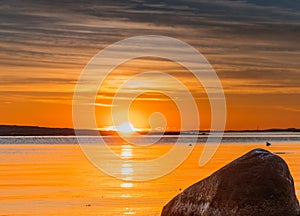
125 127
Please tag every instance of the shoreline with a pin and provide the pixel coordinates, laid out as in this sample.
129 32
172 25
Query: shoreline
15 130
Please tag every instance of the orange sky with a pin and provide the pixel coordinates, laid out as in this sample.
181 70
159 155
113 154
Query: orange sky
44 48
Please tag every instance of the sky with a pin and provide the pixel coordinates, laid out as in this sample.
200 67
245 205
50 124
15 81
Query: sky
252 45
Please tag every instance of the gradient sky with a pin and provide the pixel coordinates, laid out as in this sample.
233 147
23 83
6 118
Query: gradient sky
253 45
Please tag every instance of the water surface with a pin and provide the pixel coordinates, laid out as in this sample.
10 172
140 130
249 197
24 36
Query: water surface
51 175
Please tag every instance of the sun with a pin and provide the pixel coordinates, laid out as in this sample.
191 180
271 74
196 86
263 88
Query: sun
125 127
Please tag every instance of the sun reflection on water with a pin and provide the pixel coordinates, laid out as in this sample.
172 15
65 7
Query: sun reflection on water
129 211
127 169
126 151
126 185
125 196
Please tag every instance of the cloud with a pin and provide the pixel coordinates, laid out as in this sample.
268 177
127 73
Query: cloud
251 44
290 109
16 80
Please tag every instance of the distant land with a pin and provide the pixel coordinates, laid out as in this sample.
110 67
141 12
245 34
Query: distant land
14 130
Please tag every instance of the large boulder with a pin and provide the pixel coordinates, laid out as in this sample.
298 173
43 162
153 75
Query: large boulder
258 183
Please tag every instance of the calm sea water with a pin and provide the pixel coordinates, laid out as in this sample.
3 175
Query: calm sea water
233 137
52 176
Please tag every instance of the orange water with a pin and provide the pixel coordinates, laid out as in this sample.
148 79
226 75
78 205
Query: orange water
59 180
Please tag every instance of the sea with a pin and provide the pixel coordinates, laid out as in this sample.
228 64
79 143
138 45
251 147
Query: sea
54 175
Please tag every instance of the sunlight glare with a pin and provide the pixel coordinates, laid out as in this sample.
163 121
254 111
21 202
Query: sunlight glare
126 127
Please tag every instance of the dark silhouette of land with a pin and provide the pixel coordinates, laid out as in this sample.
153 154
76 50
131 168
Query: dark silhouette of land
14 130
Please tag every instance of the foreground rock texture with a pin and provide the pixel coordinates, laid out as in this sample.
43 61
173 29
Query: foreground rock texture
258 183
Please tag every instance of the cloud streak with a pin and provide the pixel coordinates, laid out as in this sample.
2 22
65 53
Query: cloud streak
253 45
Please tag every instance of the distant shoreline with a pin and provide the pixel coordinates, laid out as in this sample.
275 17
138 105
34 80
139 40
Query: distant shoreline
15 130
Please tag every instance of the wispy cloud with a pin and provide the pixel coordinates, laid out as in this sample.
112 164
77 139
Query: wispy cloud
253 45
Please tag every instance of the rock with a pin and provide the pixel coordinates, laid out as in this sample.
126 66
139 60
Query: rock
258 183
